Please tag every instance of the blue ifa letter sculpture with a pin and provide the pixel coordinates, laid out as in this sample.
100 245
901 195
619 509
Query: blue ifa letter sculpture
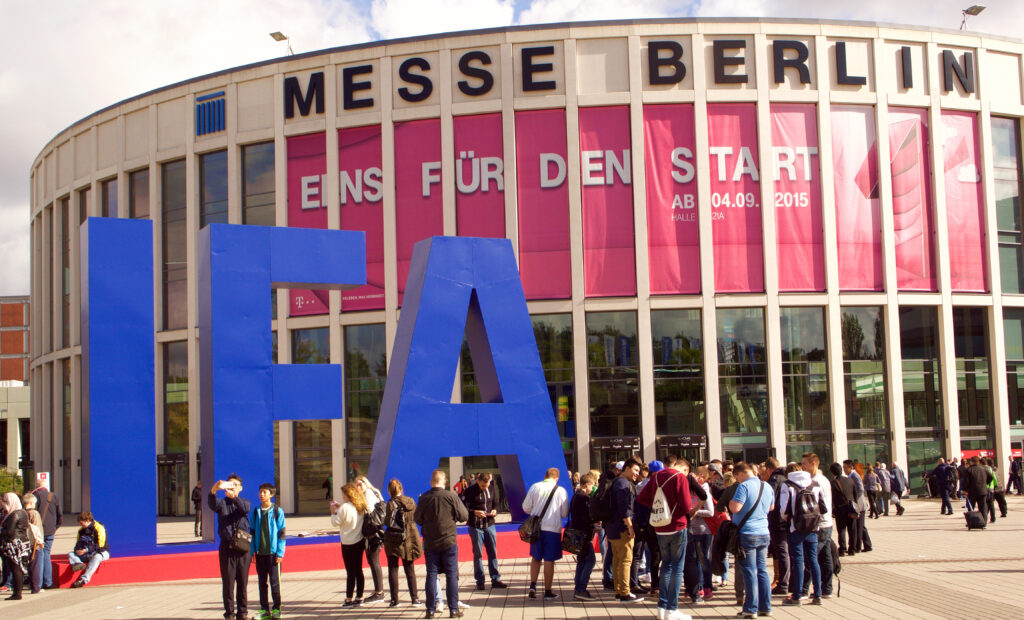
456 286
242 391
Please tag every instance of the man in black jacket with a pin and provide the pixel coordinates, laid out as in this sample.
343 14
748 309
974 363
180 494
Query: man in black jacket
778 530
976 480
48 505
482 504
437 512
232 515
197 504
844 509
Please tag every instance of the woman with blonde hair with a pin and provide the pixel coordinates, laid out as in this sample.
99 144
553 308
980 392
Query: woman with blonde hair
35 534
374 539
401 541
348 518
14 542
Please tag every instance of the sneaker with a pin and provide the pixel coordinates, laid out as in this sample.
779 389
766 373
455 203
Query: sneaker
791 601
816 600
765 614
533 592
549 595
393 604
481 587
416 603
777 591
78 584
698 600
745 614
829 595
608 585
707 594
500 585
376 597
631 598
662 612
430 614
357 602
677 615
263 615
275 613
75 568
584 596
455 614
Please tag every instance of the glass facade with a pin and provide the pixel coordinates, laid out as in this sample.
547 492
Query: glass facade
65 272
612 374
366 369
922 376
553 333
108 191
679 401
258 198
1013 334
138 194
808 416
175 397
175 245
65 384
863 331
312 439
311 346
742 374
970 338
213 188
1007 185
84 203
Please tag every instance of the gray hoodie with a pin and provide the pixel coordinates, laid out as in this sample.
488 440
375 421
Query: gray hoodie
787 494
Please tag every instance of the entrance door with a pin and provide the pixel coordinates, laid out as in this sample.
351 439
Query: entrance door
313 460
172 484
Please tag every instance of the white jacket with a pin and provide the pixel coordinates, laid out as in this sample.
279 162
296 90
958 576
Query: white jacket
349 522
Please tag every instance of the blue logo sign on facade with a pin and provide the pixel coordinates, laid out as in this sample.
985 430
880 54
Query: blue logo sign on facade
242 391
210 114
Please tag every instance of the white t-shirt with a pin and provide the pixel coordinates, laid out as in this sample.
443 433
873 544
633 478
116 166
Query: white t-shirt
537 496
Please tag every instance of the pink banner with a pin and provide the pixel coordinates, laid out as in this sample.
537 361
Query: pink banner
911 199
307 206
479 176
418 199
609 259
543 197
361 185
673 245
858 218
735 198
797 197
965 216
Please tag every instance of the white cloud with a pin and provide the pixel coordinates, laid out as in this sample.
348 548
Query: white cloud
394 19
553 11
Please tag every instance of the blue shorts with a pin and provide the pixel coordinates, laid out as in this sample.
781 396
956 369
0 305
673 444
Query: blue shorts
548 548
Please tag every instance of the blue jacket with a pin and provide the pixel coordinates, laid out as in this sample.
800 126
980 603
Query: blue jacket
277 530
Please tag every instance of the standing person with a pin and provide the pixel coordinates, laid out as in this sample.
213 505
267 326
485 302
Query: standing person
941 474
998 493
750 504
871 488
580 519
268 543
885 488
810 463
48 505
604 483
482 503
437 511
15 545
844 508
374 539
672 537
698 546
802 506
35 531
401 541
778 546
860 497
197 506
976 481
1015 477
900 485
550 502
620 528
232 515
348 518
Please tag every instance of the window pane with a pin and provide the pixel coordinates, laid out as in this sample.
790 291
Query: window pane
678 345
970 339
174 244
311 346
742 370
109 198
1006 151
365 373
176 397
864 368
138 193
213 188
553 333
805 369
919 348
612 374
258 184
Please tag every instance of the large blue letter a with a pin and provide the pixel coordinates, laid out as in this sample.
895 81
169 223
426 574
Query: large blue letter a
456 286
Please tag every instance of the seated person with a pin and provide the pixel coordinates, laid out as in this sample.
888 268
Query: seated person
91 548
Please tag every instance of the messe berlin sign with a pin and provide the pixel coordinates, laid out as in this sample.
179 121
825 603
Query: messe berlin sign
456 286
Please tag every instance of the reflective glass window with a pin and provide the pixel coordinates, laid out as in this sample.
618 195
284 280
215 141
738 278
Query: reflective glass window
970 338
919 349
863 331
258 184
612 370
311 346
1013 334
175 256
213 188
175 397
678 344
742 370
366 368
109 198
805 370
138 194
1006 183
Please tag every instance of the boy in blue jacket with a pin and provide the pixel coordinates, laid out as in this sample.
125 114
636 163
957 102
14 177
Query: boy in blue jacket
268 543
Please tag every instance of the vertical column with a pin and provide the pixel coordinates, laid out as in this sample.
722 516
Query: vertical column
387 142
234 177
447 144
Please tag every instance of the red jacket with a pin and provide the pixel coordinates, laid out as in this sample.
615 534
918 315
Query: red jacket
677 491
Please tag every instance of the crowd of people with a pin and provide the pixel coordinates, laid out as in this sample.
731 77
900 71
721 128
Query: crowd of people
976 482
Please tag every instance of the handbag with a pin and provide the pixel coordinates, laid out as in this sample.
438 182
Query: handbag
529 531
241 541
574 541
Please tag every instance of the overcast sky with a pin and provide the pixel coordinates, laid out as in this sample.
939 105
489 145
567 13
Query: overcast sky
64 59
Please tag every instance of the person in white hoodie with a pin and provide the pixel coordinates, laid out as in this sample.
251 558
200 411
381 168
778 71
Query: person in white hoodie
802 512
810 463
348 518
697 566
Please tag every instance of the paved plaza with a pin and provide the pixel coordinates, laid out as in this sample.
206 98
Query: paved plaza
923 566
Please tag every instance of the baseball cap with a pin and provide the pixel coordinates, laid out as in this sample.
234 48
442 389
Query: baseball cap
655 465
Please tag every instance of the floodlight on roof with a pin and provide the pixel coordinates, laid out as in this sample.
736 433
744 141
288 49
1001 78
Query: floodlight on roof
280 36
970 11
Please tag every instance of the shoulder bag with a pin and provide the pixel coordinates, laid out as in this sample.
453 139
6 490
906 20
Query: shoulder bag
529 531
732 533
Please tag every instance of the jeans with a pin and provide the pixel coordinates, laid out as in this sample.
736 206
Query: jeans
804 548
698 577
585 562
673 550
883 500
947 507
622 549
606 556
754 565
484 539
444 561
47 564
94 563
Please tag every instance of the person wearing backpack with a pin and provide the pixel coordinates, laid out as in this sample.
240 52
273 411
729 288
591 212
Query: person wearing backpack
401 541
802 507
668 496
482 503
697 571
599 514
268 543
810 463
48 505
778 546
580 519
373 534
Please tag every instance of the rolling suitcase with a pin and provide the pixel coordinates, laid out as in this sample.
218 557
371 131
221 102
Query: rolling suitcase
974 520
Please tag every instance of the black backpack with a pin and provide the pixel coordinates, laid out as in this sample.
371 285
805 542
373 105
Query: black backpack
806 514
601 504
396 524
373 520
